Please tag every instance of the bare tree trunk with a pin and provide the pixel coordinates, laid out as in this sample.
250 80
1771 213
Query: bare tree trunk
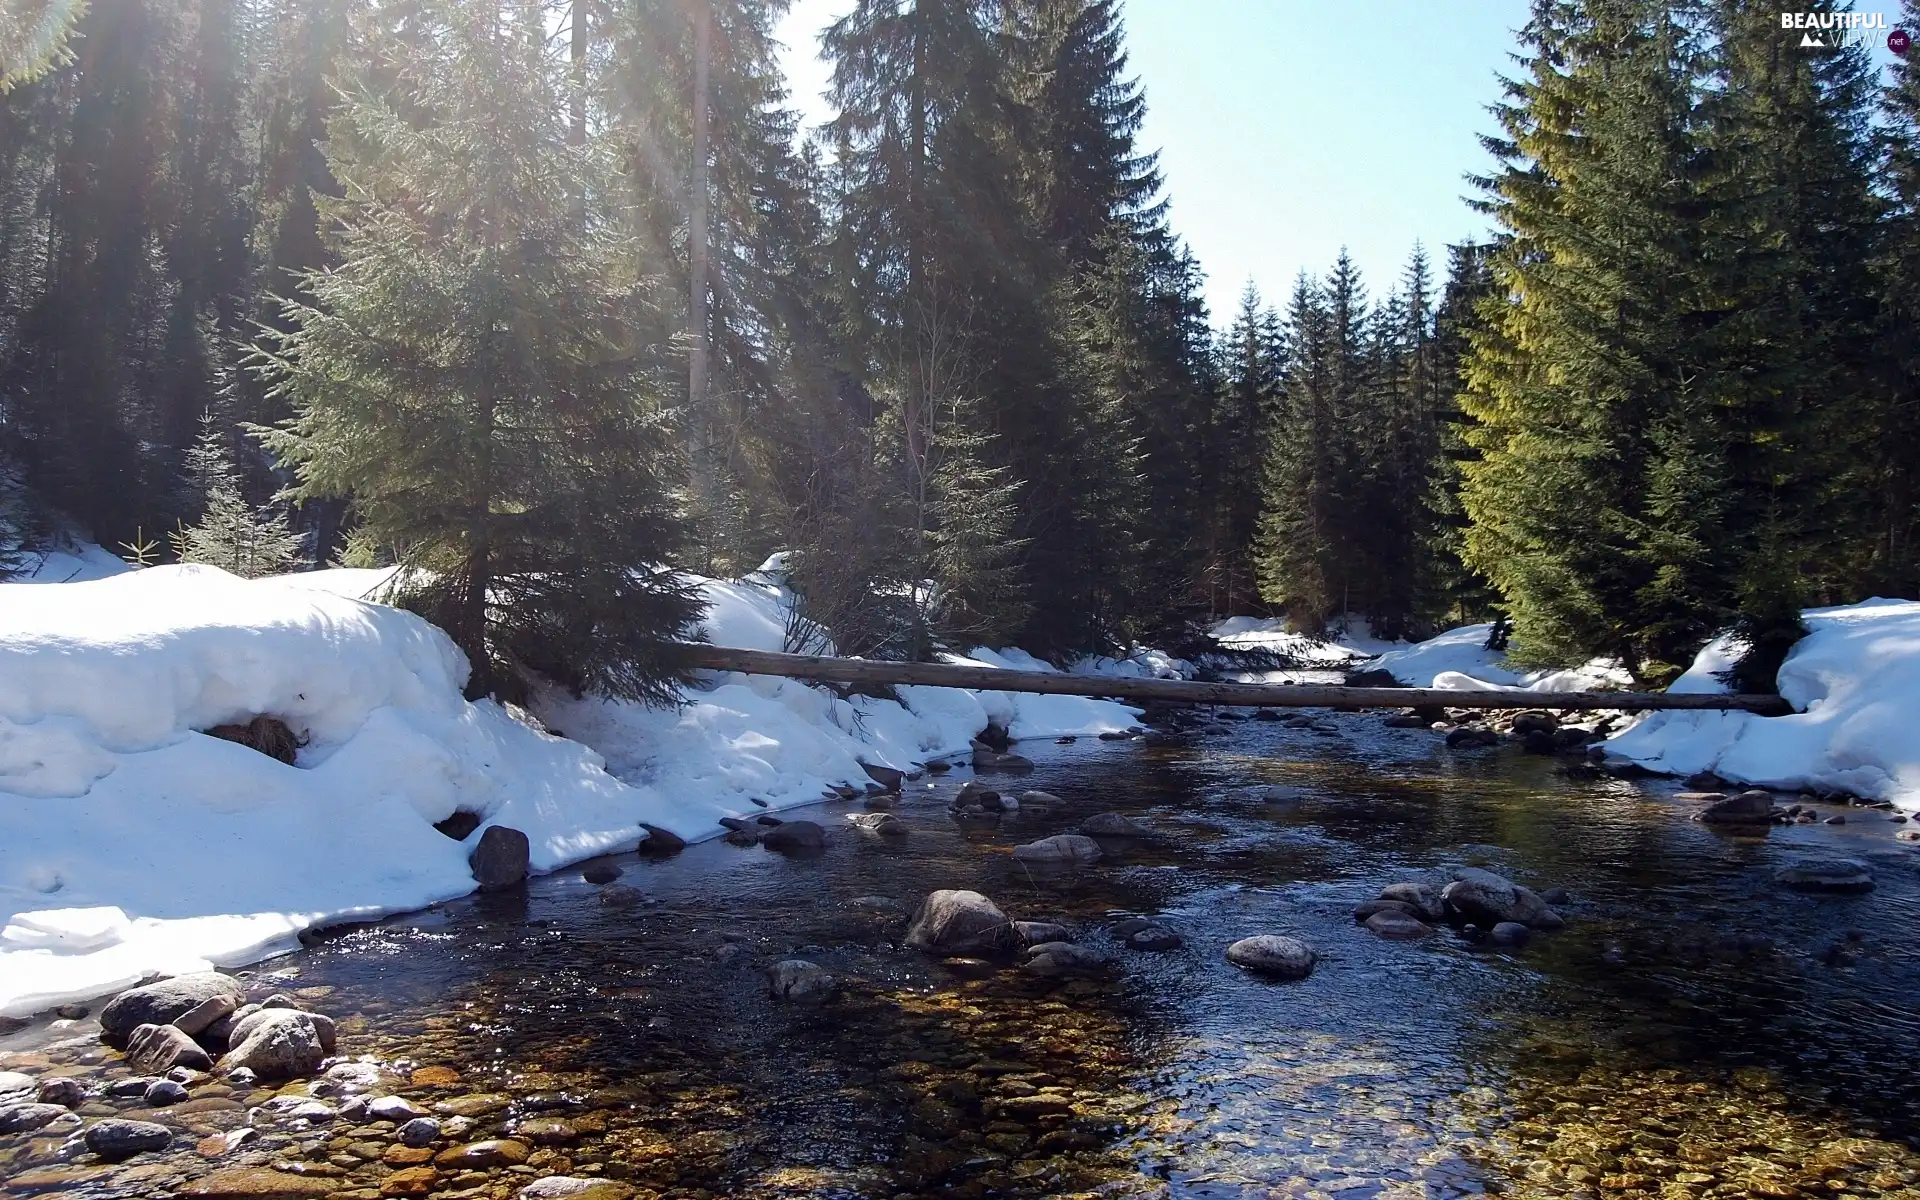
577 61
699 419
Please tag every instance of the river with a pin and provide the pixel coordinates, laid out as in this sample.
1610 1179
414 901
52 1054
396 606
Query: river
1696 1030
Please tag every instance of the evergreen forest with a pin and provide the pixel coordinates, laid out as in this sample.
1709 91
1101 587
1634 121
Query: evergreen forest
553 301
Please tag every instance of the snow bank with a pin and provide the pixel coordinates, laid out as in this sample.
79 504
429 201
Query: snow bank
1855 681
1350 640
72 561
132 844
1458 660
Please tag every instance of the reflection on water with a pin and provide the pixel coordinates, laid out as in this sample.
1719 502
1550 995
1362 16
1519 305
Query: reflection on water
1694 1032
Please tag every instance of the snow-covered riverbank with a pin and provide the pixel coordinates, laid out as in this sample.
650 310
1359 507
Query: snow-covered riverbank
132 843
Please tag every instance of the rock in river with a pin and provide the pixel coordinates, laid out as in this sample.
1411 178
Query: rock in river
1060 848
1748 808
800 981
1273 955
961 924
795 837
1488 899
883 823
114 1140
279 1043
575 1187
160 1003
1826 875
1112 824
1399 926
157 1049
1064 958
500 859
1422 899
25 1118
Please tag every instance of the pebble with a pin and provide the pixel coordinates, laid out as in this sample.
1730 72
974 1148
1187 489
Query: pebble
397 1109
421 1131
500 1152
163 1092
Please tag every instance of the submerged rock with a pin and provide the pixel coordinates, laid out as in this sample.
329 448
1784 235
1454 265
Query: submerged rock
1748 808
960 924
1396 925
1112 824
883 823
1273 955
1064 958
1826 875
1033 933
800 981
1060 848
795 837
1154 938
1422 899
1510 933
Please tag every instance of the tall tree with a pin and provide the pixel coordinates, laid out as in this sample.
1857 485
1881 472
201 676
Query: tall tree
459 374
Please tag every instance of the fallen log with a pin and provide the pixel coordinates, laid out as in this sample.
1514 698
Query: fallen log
1185 691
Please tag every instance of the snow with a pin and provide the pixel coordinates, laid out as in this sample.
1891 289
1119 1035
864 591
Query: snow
1458 660
1854 682
70 561
131 844
1350 640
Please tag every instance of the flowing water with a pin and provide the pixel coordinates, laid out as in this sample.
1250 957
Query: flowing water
1696 1030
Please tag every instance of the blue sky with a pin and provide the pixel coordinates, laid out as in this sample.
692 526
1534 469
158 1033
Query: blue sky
1289 129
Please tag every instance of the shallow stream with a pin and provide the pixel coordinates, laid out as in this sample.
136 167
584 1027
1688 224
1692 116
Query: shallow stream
1696 1030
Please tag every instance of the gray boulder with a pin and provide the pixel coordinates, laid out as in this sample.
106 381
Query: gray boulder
795 837
1273 955
960 924
883 823
1422 898
1113 825
1484 898
25 1118
886 777
800 981
1747 808
1064 958
1039 799
993 760
1154 938
157 1049
1033 933
1363 912
115 1140
1398 926
421 1131
16 1087
203 1015
500 859
279 1043
159 1003
1060 848
1826 875
63 1090
1510 933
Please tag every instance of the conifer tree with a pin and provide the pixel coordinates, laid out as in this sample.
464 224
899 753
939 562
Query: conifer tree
1895 456
459 374
230 533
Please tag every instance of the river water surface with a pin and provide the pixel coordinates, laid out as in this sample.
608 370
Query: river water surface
1694 1031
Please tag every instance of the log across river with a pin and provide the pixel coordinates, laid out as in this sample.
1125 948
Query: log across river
1184 691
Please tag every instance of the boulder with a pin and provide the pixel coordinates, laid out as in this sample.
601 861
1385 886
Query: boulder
661 841
205 1014
621 895
1273 955
1033 933
1747 808
795 837
800 981
960 924
1373 677
1398 926
886 777
1154 938
1534 721
1486 899
25 1118
1470 736
159 1003
63 1090
1111 824
16 1087
1407 721
1372 908
157 1049
1039 798
1064 958
459 825
1422 898
499 861
994 760
421 1131
1826 875
600 871
1510 933
1060 848
163 1092
883 823
397 1109
114 1140
278 1043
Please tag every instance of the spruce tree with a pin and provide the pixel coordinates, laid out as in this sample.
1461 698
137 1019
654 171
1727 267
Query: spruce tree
460 373
1895 457
230 533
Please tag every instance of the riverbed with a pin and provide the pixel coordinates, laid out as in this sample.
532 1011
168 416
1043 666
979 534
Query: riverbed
1696 1030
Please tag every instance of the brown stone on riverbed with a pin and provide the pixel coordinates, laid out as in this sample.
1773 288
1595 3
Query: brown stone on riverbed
1748 808
407 1156
411 1181
503 1152
477 1105
260 1183
435 1077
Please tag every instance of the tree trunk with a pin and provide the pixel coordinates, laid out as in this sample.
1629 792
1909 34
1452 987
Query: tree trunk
699 419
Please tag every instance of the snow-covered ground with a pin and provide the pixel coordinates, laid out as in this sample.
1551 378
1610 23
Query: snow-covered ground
70 561
1459 660
132 844
1855 683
